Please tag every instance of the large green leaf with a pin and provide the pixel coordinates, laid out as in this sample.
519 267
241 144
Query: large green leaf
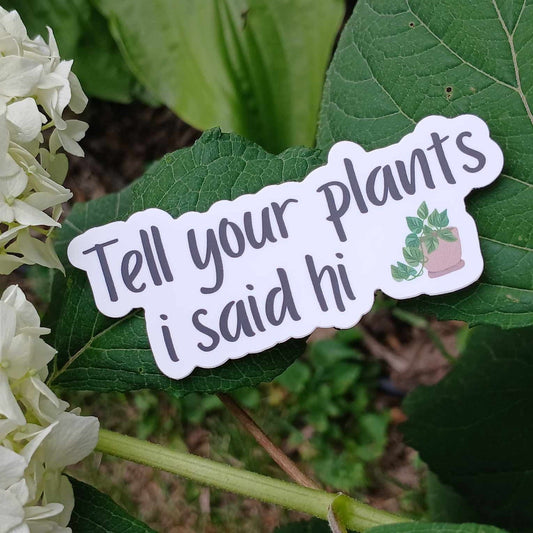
99 353
255 67
401 60
94 512
435 528
82 34
474 429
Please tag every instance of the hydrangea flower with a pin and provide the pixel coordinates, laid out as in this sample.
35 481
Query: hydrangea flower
39 437
36 87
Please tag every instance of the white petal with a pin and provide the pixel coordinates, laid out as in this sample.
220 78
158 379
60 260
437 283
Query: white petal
79 99
24 120
8 324
11 513
29 216
36 439
27 315
13 24
39 512
72 439
74 131
12 466
57 488
18 76
6 236
44 200
8 263
9 406
36 251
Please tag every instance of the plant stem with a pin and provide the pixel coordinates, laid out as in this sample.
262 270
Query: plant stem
353 514
284 462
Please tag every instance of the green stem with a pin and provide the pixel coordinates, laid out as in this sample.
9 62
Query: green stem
354 515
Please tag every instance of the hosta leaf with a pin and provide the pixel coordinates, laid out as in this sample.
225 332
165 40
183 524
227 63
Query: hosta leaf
400 60
474 428
255 67
95 512
100 353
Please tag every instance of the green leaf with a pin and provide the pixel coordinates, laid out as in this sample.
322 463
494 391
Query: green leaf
412 240
446 235
474 429
415 224
82 34
255 67
423 211
103 354
434 527
401 60
95 512
413 256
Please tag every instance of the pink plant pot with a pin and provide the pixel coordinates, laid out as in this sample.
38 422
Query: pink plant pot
446 258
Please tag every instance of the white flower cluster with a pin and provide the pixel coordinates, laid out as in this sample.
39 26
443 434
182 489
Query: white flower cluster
38 436
35 88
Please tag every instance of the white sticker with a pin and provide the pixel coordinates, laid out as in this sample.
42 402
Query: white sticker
256 271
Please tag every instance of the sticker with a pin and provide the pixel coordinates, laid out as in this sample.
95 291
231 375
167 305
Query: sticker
258 270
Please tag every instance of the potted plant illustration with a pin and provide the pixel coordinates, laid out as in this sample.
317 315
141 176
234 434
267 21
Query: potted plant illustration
432 245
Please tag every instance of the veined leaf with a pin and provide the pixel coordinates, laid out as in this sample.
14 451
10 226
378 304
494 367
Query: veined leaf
103 354
401 60
473 428
95 512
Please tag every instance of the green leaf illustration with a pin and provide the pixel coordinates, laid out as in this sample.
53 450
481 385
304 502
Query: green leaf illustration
396 273
446 235
413 256
423 211
443 219
415 224
434 219
412 240
432 243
